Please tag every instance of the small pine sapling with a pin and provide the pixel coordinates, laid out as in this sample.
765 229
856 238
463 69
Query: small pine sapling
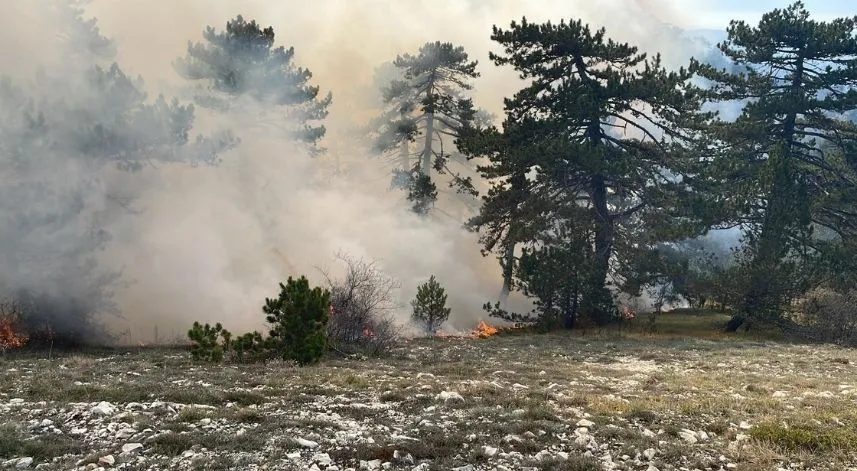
430 305
299 317
205 346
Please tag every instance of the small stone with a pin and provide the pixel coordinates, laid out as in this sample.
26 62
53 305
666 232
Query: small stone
304 443
16 400
107 461
745 425
404 458
468 467
450 396
585 423
650 453
689 436
780 394
24 463
489 451
131 447
322 459
652 468
103 408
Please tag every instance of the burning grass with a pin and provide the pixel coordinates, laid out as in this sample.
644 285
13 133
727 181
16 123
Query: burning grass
555 401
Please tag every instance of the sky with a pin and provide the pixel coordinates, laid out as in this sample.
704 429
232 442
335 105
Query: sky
705 14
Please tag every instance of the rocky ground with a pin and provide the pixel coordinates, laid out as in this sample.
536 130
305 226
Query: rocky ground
549 402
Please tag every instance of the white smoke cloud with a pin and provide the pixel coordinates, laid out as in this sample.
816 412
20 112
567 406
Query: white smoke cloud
210 243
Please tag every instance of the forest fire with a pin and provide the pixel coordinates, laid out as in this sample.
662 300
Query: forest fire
484 330
11 336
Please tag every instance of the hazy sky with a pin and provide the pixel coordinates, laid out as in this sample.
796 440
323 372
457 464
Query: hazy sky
717 13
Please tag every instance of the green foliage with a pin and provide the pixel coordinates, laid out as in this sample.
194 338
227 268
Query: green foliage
425 98
779 169
299 316
243 62
557 162
422 193
429 306
209 343
250 347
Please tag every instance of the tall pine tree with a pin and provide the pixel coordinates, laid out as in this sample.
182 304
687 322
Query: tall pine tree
426 103
781 163
600 127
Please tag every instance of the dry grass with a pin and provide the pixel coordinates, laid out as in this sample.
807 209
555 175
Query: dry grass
761 403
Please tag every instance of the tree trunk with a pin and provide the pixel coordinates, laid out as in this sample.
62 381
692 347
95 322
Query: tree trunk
597 296
508 271
404 156
427 150
571 307
764 296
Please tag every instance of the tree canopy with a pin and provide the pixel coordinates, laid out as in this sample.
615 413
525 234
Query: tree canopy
242 62
786 164
600 126
427 100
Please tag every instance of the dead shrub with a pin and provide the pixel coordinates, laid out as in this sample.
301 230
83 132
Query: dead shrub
362 304
830 316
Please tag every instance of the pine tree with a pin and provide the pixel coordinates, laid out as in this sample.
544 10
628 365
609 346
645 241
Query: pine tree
299 318
430 305
242 62
781 163
427 101
601 127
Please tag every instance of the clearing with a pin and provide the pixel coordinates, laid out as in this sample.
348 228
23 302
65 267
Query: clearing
609 400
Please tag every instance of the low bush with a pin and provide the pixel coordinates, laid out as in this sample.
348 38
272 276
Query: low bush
830 316
298 318
362 302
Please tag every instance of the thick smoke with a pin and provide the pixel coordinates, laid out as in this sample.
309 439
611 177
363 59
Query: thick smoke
209 243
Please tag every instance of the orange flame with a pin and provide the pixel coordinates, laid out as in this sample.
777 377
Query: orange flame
485 330
10 337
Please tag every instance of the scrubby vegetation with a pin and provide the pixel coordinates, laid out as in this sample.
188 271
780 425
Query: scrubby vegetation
298 317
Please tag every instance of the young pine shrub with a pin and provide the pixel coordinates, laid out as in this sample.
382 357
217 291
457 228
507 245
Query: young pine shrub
249 348
209 343
430 306
299 316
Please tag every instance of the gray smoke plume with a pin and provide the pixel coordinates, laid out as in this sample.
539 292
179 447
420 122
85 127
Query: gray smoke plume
168 241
